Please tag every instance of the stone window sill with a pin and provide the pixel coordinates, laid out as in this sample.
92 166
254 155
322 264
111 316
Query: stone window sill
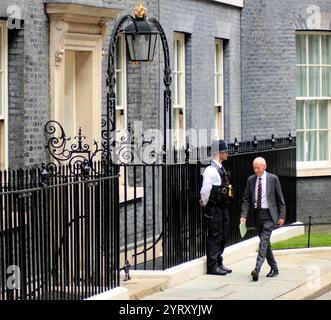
313 172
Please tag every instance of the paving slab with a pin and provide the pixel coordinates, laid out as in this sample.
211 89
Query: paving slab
302 276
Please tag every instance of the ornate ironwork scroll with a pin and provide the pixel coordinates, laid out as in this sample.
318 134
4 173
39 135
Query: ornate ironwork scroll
77 155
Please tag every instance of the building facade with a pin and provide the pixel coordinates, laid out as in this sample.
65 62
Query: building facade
286 87
239 69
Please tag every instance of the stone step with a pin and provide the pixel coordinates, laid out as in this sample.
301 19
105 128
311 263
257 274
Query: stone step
139 288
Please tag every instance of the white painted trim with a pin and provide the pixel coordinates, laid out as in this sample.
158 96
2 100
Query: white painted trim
315 168
219 104
75 12
124 80
317 172
236 3
181 38
78 28
4 89
121 131
92 44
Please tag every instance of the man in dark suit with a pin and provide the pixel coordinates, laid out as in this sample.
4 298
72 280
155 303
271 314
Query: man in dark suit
263 195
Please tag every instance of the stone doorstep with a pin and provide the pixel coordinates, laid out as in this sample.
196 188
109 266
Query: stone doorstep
140 288
303 292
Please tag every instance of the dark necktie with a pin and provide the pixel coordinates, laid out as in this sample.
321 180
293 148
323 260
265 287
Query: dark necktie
259 194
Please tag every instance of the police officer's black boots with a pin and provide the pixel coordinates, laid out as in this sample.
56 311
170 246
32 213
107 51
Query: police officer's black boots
216 270
227 270
220 264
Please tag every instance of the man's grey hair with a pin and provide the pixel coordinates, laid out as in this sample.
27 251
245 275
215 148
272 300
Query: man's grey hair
260 160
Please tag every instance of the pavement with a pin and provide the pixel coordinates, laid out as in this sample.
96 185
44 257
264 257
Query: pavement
326 296
304 274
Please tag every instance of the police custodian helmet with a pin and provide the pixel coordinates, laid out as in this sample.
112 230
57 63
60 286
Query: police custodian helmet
218 146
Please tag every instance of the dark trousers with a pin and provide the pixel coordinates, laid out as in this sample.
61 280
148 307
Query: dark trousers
218 227
264 225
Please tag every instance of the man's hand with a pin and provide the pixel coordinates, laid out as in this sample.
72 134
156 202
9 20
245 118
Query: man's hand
243 220
202 205
281 222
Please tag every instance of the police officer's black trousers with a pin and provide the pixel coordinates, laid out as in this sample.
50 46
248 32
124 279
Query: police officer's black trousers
218 226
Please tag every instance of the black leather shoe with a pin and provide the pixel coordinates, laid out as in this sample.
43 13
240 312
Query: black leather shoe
273 273
227 270
217 271
255 275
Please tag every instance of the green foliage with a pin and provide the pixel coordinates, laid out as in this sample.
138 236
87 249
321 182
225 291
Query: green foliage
316 240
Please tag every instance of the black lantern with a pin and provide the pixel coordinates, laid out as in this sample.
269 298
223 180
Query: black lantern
140 38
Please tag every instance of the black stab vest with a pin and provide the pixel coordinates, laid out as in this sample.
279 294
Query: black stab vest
219 195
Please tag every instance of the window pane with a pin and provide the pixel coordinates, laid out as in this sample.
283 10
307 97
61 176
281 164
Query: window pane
119 91
175 119
324 146
120 120
301 81
218 52
1 84
1 106
218 89
314 81
312 146
311 114
179 56
175 88
301 49
300 115
179 88
300 146
326 49
323 114
314 49
1 48
326 78
119 53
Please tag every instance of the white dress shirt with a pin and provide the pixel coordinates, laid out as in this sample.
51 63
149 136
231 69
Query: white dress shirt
210 177
264 200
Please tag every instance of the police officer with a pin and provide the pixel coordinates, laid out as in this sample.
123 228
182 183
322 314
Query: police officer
215 194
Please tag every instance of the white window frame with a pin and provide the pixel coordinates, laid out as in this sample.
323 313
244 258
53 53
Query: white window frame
123 78
121 110
179 108
4 91
315 168
219 103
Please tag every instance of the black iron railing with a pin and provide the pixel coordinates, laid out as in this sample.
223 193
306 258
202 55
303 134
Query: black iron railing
167 224
66 232
58 233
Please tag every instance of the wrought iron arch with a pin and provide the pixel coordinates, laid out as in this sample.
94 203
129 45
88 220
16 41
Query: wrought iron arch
62 152
109 143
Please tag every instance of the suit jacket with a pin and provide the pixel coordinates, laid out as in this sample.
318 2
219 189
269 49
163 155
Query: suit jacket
274 197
